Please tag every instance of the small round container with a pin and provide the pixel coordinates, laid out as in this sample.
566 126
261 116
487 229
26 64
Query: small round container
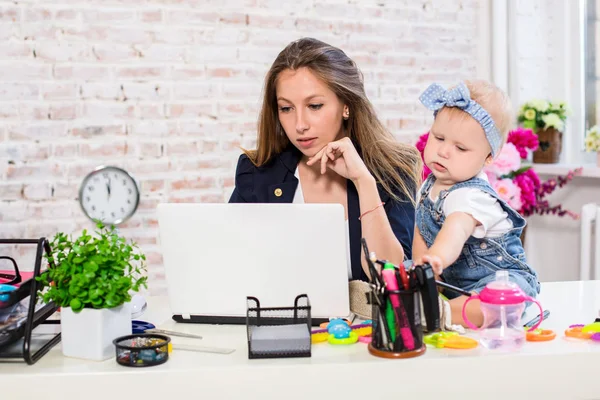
142 350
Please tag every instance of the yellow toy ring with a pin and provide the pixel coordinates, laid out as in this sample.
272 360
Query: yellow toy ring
450 340
353 338
320 337
459 342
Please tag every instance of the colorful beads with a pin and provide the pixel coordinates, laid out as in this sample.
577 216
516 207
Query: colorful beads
339 331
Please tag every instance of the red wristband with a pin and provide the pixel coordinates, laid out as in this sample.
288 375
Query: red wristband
371 210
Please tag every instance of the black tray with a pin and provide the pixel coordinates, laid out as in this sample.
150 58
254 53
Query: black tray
20 343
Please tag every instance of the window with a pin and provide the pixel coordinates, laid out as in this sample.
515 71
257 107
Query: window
591 87
592 75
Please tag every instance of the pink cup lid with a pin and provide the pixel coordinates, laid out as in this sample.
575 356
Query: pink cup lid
502 291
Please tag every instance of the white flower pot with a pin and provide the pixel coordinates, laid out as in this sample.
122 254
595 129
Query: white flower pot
89 333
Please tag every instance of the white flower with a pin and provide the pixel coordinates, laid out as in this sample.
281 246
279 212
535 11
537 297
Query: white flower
553 120
540 105
529 114
592 139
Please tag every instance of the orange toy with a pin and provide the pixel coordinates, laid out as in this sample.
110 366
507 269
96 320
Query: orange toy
577 333
540 335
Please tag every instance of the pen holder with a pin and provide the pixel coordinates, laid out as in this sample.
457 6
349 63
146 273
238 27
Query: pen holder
278 332
397 330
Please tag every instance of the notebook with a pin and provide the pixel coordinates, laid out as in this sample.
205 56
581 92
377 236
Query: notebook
215 255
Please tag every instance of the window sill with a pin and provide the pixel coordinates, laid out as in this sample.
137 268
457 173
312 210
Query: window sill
589 170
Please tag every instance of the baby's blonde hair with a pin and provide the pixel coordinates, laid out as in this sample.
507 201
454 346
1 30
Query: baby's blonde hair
494 100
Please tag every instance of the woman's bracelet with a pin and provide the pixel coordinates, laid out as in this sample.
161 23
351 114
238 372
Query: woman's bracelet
371 210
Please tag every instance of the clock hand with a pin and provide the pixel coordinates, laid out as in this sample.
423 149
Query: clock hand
108 187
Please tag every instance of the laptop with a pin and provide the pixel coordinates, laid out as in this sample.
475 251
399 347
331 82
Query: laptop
216 255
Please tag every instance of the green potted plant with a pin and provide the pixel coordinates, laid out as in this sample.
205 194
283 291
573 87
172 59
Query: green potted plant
592 142
547 119
91 277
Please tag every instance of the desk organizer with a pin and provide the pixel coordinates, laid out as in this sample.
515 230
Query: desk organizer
142 350
278 332
24 312
407 329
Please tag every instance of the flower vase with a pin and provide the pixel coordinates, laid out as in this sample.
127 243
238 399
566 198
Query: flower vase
550 146
598 159
88 334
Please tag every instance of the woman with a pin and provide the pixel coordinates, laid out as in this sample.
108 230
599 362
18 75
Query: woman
319 141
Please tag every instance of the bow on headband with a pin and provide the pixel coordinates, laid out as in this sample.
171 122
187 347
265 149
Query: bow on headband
435 97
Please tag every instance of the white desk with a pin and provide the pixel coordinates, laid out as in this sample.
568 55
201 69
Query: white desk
561 369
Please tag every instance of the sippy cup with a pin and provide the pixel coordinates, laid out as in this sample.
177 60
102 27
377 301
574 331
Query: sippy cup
502 304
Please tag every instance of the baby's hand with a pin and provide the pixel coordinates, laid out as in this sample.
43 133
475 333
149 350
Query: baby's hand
436 264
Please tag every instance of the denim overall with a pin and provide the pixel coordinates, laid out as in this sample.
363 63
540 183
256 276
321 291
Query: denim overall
480 258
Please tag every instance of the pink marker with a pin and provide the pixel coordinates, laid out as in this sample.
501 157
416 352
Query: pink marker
392 284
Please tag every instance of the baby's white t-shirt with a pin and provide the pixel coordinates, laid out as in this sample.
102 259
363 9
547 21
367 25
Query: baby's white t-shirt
486 209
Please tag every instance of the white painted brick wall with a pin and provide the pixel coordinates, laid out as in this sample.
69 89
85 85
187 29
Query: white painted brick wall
169 90
539 50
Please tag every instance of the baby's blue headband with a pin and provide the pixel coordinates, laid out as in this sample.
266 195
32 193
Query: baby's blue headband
435 97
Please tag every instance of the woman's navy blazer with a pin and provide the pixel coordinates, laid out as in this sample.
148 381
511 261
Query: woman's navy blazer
258 185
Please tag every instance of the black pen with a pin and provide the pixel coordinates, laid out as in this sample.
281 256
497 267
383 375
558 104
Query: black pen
536 319
453 288
377 291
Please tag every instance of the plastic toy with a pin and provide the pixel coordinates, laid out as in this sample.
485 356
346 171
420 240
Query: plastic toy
540 335
339 328
324 325
594 327
365 339
450 340
351 339
576 332
340 332
319 337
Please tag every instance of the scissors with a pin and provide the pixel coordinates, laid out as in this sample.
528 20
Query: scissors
174 333
146 327
140 326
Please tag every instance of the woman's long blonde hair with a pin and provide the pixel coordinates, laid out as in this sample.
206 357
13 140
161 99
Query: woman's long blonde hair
396 166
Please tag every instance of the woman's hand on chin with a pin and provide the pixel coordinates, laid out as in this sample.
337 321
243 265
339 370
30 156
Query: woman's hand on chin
341 157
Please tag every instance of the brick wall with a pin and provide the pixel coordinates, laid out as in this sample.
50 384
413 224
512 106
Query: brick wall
538 48
169 90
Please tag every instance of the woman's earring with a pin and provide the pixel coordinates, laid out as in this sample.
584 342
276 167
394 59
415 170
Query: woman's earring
346 115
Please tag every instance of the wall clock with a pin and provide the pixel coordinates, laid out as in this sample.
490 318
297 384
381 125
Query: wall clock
109 194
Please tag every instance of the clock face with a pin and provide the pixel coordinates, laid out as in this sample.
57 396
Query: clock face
109 194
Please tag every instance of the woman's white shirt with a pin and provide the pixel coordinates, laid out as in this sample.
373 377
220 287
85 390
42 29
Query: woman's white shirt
299 199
